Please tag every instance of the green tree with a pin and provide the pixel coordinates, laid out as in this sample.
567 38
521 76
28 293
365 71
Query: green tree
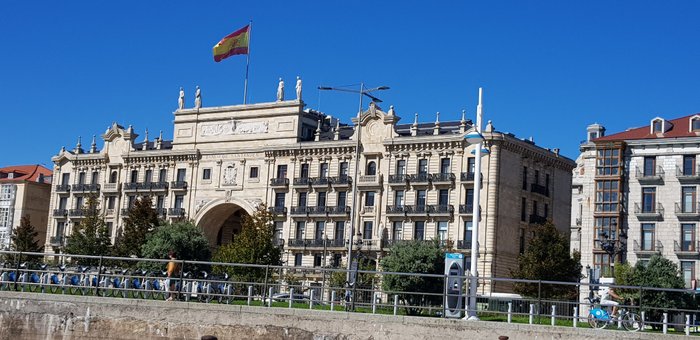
25 238
184 238
90 236
254 245
141 220
418 257
547 258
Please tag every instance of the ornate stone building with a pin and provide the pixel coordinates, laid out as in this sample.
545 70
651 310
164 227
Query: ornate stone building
24 191
415 181
635 195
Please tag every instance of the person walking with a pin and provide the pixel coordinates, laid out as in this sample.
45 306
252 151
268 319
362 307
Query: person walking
173 271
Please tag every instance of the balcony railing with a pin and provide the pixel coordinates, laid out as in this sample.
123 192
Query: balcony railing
125 211
279 182
398 179
443 178
77 212
687 210
539 189
392 242
396 209
85 187
537 219
302 181
320 181
296 242
419 178
464 244
656 175
63 188
318 210
686 248
282 211
416 209
176 212
439 209
109 212
368 209
131 186
161 212
56 241
342 180
653 211
178 185
466 209
653 248
467 177
302 210
578 221
607 245
369 180
339 210
110 187
60 212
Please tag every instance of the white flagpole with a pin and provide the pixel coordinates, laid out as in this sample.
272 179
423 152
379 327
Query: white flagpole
247 64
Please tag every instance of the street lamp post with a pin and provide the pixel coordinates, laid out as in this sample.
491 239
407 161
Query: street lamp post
353 220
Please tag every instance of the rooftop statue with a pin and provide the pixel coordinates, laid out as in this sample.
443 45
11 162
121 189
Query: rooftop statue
181 99
280 91
298 88
197 98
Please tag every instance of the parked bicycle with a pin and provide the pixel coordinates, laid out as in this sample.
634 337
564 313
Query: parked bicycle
599 317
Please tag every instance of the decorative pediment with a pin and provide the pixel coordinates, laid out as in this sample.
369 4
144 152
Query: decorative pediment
117 130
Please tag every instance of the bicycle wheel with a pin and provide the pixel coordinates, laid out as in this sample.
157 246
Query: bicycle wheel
147 288
632 322
595 322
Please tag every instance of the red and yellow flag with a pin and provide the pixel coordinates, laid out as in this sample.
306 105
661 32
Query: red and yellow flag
232 44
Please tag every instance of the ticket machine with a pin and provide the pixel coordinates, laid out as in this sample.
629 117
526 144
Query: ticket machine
454 271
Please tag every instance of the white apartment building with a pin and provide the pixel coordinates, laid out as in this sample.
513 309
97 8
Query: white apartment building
414 181
635 195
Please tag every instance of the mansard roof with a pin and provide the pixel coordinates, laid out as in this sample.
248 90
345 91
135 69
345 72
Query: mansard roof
679 128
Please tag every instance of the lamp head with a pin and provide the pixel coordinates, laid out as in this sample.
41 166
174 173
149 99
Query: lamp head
474 138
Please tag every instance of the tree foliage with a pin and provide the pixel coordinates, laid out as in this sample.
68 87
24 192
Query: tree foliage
547 258
141 220
421 257
90 236
254 245
25 239
183 237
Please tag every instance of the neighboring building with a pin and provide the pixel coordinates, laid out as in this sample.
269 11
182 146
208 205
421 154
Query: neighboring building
415 181
24 191
635 195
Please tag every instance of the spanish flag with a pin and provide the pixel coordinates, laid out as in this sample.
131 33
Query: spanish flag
232 44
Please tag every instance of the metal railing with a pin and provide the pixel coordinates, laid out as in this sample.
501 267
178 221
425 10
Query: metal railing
653 209
85 187
443 178
652 247
655 175
62 187
178 185
687 209
340 180
278 210
423 178
539 189
279 182
689 247
467 177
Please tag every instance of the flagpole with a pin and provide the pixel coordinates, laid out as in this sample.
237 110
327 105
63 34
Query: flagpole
247 64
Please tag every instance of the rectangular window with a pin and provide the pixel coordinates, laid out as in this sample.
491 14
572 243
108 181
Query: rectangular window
110 202
688 237
605 228
162 175
134 176
342 198
6 191
323 170
320 231
534 208
608 162
299 231
148 176
423 166
442 230
339 230
688 204
65 179
657 126
321 201
60 228
179 199
401 167
337 259
469 199
317 260
649 166
367 230
688 270
537 177
206 174
695 124
546 210
523 209
79 202
419 230
420 198
648 200
397 230
94 179
297 259
160 202
468 234
130 201
63 202
279 199
282 171
81 178
444 197
343 170
603 263
445 166
302 199
5 220
181 173
305 170
399 198
279 227
254 172
546 182
607 196
521 240
110 226
689 164
470 165
369 199
648 235
524 178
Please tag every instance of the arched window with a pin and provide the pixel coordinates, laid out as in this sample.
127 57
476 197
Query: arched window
371 168
113 177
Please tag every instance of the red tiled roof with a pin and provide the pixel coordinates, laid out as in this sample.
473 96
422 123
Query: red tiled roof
28 173
680 127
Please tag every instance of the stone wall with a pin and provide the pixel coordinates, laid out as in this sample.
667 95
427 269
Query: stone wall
43 316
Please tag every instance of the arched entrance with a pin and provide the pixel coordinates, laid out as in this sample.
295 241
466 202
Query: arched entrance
221 223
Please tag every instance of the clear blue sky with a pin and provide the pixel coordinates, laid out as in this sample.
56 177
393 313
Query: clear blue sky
548 68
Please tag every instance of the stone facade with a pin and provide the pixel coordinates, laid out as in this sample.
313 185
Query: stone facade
24 191
413 181
652 204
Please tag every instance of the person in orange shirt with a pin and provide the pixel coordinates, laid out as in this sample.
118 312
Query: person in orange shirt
173 270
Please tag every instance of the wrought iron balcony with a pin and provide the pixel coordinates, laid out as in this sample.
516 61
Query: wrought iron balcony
176 212
131 186
278 242
336 243
443 178
57 241
464 244
178 185
688 248
296 242
125 211
63 188
390 243
279 182
687 211
649 212
396 209
539 189
649 177
85 187
278 210
466 209
303 210
60 212
161 212
317 210
423 178
320 181
155 186
691 176
467 177
416 209
302 181
648 249
537 219
398 179
340 181
77 212
339 210
441 209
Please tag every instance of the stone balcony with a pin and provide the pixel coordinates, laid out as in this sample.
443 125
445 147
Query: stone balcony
653 212
687 212
686 249
655 176
692 176
111 187
370 181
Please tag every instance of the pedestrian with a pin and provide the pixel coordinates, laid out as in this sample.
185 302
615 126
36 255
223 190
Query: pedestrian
173 271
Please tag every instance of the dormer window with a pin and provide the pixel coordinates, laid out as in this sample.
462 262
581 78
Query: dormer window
657 126
695 123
